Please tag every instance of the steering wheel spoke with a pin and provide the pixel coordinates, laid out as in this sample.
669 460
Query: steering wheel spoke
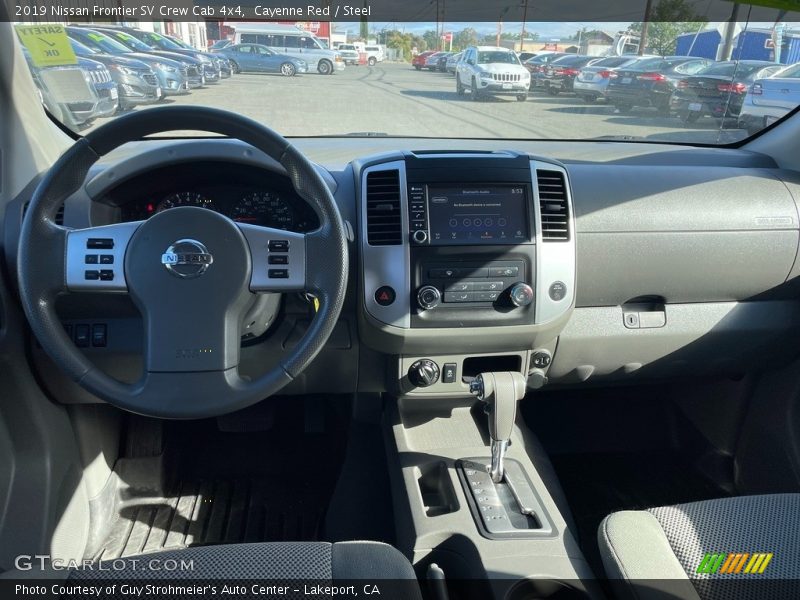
95 257
278 258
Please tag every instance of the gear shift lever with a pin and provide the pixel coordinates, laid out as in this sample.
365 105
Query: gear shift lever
500 391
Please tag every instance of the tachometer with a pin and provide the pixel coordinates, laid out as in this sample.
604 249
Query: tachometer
264 208
185 199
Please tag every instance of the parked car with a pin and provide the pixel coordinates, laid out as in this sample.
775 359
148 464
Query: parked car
452 62
418 62
651 81
291 41
256 58
170 73
538 62
432 62
559 75
349 53
220 44
592 80
523 56
491 70
441 61
191 68
719 89
100 97
223 65
374 55
136 82
770 99
156 41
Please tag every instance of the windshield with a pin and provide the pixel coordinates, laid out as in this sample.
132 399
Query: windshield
626 80
494 56
101 42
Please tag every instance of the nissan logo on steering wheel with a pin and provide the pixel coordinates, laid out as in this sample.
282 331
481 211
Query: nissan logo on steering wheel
187 259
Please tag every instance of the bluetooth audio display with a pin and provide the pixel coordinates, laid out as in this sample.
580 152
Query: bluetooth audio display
490 214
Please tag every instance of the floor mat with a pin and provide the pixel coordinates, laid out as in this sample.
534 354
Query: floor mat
228 487
599 484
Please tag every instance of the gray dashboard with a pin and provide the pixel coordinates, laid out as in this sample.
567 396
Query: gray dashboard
683 263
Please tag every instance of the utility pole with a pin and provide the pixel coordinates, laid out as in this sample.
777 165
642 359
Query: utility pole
730 27
522 34
645 25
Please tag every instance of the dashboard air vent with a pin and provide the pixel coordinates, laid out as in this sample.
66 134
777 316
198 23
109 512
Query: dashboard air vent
553 205
59 214
384 221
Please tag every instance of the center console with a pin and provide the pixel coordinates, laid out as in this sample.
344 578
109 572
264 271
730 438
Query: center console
464 257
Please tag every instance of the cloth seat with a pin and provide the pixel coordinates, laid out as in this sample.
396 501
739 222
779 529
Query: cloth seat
690 550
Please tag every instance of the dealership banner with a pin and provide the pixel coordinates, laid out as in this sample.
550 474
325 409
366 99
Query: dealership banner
387 11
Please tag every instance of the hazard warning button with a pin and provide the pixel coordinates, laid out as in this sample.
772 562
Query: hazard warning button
385 295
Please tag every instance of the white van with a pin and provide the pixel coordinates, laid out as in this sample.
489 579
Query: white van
285 39
374 54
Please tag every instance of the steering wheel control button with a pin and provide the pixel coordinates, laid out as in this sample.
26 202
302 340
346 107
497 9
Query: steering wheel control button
449 372
106 259
278 273
423 373
91 275
99 335
557 291
278 245
385 295
428 297
187 259
278 259
521 294
503 271
100 243
82 336
91 259
106 275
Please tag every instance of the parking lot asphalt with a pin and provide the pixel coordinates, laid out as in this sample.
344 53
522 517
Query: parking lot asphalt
395 99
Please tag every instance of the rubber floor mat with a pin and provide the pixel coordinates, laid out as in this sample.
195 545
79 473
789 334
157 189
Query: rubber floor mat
228 487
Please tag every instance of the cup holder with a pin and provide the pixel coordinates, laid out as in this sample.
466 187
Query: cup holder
436 489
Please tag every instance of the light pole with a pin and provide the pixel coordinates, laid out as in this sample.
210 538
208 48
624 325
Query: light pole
522 34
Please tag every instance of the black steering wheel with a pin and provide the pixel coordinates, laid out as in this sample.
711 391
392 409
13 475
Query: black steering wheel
190 271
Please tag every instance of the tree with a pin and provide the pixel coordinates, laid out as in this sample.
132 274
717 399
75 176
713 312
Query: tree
431 40
668 20
404 42
465 38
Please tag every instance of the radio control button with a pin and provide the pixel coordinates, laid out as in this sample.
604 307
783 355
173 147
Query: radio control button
521 294
420 236
428 297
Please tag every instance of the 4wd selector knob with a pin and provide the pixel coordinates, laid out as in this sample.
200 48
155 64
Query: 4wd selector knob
428 297
423 372
521 294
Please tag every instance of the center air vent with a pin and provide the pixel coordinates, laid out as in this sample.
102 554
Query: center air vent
553 205
384 217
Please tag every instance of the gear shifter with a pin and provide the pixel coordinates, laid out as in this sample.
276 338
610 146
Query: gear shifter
500 391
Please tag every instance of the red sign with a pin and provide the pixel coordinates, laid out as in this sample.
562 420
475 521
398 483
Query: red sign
549 46
448 37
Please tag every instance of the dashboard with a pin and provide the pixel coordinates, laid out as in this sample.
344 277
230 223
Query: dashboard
243 194
628 261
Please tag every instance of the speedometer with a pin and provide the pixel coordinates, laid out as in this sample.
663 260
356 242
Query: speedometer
185 199
264 208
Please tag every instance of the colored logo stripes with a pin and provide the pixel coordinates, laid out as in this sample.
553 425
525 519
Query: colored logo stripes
732 563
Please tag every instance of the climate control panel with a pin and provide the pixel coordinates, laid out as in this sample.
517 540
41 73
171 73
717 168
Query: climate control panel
456 284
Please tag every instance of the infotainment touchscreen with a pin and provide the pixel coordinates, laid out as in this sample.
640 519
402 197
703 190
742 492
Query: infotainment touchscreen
478 214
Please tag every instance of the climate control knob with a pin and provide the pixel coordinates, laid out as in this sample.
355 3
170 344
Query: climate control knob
428 297
521 294
420 236
423 372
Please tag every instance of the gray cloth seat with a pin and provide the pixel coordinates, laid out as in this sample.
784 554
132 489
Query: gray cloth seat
661 552
321 563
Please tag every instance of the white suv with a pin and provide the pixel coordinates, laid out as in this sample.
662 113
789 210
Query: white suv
491 70
374 55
